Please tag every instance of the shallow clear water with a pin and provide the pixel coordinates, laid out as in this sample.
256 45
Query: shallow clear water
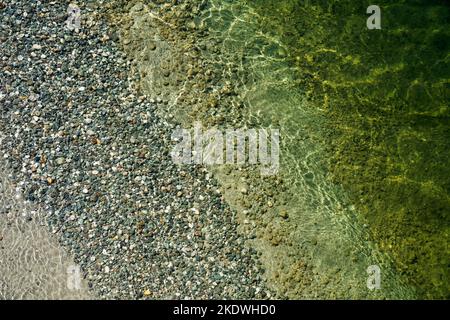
364 122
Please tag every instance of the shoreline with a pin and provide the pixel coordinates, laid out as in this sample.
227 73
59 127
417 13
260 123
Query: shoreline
87 126
94 154
33 265
196 91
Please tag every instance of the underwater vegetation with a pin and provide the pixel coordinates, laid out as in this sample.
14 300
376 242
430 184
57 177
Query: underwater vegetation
385 96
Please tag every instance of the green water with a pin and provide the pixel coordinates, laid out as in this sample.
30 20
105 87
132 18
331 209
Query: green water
365 130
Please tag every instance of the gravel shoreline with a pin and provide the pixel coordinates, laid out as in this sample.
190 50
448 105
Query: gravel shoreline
211 65
83 145
32 263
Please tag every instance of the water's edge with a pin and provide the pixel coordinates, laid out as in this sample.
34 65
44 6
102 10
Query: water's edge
300 262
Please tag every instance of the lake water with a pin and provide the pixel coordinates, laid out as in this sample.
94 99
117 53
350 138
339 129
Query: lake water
364 121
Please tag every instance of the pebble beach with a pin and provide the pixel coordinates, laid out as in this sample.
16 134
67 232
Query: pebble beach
98 97
83 145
